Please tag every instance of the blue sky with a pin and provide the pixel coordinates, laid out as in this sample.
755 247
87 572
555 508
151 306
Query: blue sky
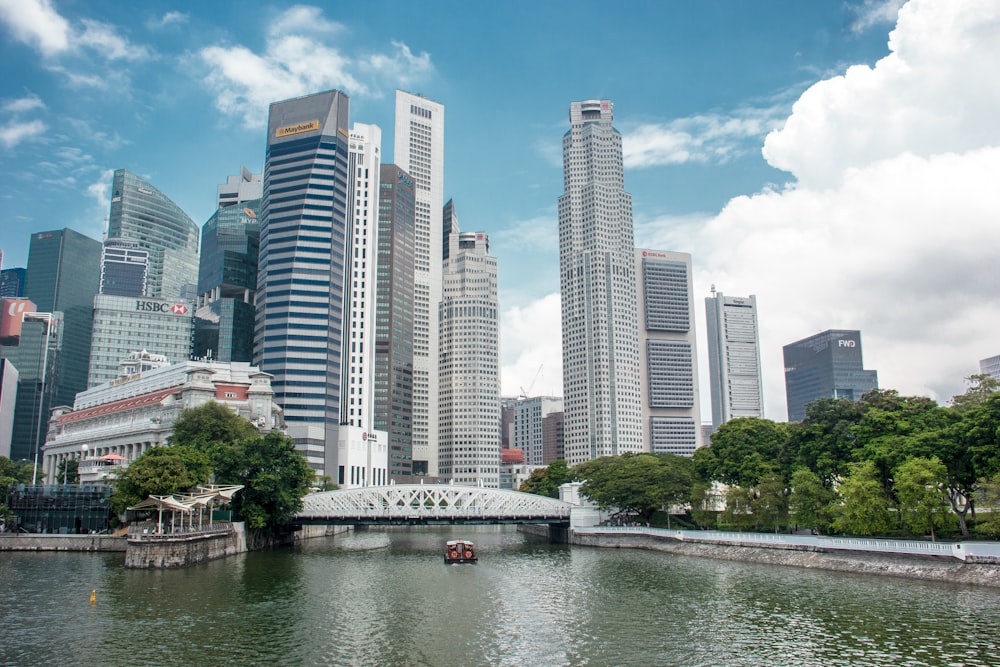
837 159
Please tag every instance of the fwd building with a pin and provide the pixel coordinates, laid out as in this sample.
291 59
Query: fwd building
827 365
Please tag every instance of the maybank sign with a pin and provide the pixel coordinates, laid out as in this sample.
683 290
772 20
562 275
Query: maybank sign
298 128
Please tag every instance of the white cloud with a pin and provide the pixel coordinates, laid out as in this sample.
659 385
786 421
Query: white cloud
104 40
100 191
168 19
23 104
531 349
14 132
935 92
875 12
36 23
712 137
297 60
538 234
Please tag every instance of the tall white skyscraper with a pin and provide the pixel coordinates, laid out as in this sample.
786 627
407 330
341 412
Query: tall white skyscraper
469 428
733 357
671 410
419 150
360 283
601 376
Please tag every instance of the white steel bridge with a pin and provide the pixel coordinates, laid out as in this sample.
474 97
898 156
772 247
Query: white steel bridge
429 504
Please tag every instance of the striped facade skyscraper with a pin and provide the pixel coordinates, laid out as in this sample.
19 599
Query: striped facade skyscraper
300 283
733 357
419 150
600 333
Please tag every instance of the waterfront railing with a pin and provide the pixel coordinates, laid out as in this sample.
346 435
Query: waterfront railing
148 530
960 550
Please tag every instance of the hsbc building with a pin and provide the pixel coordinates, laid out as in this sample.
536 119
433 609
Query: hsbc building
125 324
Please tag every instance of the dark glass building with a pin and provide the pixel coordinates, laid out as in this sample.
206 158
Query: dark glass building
394 319
299 330
143 214
12 283
827 365
63 276
124 268
227 276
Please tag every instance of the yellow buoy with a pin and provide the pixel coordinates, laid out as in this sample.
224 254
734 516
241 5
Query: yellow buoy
93 597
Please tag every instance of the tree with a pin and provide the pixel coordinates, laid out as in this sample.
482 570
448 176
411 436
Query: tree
981 387
161 471
739 509
770 503
864 504
824 441
640 484
68 472
923 502
810 500
546 481
275 478
747 449
211 426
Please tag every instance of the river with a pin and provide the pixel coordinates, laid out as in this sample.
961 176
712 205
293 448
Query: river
385 597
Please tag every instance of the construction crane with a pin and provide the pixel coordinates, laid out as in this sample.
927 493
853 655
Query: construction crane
524 393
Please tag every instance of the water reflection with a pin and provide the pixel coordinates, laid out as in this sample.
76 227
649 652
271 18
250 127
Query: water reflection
385 597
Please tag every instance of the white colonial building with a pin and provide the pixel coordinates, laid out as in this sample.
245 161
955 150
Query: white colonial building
113 424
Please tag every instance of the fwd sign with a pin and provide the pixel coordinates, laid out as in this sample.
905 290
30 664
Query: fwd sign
847 343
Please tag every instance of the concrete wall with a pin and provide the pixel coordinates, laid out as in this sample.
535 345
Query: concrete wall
897 565
181 550
51 542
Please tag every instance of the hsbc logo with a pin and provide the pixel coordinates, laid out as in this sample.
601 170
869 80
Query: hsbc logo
160 307
847 343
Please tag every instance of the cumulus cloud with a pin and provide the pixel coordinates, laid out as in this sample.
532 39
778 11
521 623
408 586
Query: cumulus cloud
712 137
100 191
298 59
38 24
888 222
168 19
531 349
875 12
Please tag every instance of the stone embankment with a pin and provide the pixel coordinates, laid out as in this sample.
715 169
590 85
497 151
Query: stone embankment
939 568
50 542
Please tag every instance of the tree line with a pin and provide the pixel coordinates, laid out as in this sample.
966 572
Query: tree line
887 465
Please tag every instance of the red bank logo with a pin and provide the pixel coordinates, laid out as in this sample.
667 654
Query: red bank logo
178 309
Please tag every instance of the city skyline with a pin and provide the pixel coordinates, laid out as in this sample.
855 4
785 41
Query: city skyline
757 141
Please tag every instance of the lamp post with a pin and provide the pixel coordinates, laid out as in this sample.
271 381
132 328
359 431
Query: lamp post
47 318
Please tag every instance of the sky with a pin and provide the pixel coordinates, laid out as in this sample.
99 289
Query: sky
838 159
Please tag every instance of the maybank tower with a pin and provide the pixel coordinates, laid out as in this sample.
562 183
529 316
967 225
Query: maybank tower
300 284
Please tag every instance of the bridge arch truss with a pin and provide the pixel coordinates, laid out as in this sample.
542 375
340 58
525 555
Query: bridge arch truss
429 504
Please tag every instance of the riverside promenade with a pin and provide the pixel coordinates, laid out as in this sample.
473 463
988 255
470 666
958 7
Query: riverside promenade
961 562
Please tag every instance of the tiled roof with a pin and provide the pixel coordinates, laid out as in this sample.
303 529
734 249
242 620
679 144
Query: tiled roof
117 406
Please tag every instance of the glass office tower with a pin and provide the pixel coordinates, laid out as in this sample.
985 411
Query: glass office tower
299 329
827 365
141 213
733 357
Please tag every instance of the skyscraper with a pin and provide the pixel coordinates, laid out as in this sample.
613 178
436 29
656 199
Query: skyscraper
419 150
124 268
601 377
394 319
141 213
12 283
227 275
469 430
827 365
733 357
671 407
300 283
63 276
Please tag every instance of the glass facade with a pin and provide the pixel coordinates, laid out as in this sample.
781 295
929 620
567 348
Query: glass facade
60 508
124 267
394 318
141 213
827 365
12 283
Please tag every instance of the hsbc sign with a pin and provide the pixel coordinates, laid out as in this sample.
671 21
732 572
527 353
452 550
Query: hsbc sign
160 307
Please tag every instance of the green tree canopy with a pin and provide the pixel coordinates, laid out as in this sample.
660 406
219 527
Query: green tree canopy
864 504
211 425
161 471
810 500
748 449
920 486
546 481
639 484
275 477
824 441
